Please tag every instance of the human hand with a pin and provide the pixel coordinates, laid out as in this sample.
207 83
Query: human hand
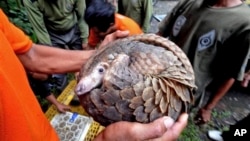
246 79
76 75
110 30
39 76
62 108
85 46
162 129
203 116
113 36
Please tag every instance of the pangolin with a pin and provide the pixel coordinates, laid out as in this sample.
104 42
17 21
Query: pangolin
138 78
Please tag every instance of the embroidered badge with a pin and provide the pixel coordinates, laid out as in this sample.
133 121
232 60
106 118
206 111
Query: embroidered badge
206 40
180 21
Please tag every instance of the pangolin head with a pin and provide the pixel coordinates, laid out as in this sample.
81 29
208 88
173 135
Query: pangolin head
91 79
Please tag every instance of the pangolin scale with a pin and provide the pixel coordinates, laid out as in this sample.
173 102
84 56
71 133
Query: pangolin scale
138 78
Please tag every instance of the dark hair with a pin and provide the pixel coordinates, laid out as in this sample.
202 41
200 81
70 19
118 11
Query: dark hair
100 14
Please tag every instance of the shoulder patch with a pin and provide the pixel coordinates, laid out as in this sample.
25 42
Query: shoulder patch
206 40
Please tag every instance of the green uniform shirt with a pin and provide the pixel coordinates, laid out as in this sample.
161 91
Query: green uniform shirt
56 15
216 40
139 10
114 3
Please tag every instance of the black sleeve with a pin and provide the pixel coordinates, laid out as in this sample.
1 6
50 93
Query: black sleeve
39 87
233 59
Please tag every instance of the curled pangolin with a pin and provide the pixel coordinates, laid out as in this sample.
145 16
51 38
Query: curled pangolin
138 78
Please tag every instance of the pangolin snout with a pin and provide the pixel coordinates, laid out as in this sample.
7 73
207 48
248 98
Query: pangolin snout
80 89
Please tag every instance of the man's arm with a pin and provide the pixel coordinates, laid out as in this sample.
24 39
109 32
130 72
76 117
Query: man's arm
204 113
83 26
37 21
44 59
49 60
147 12
221 91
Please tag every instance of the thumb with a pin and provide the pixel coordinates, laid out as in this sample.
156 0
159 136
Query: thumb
154 129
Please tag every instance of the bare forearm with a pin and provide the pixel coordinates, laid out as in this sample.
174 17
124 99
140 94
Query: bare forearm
44 59
52 99
222 90
50 60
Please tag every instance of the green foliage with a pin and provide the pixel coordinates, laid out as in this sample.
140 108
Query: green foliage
191 132
43 103
221 114
18 16
70 77
195 132
4 6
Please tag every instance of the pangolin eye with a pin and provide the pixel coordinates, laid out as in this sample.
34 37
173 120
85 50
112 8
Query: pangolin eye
101 70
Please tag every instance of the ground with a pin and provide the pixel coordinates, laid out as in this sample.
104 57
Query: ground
232 108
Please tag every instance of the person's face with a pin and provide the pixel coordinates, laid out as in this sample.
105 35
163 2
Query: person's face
112 28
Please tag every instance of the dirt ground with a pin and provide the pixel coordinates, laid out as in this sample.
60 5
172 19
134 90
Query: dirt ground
232 108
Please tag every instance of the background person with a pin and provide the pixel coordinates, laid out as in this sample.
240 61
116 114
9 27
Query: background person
57 23
235 131
39 87
210 45
141 11
103 20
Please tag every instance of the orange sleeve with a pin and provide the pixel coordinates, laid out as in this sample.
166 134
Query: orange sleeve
21 116
18 40
93 40
125 23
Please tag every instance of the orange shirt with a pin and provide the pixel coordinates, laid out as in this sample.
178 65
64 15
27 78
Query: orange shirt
21 117
122 23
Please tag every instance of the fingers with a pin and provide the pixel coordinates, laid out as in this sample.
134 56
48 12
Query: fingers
136 131
198 119
179 126
67 108
246 79
161 129
121 34
244 83
203 116
63 108
113 36
175 130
